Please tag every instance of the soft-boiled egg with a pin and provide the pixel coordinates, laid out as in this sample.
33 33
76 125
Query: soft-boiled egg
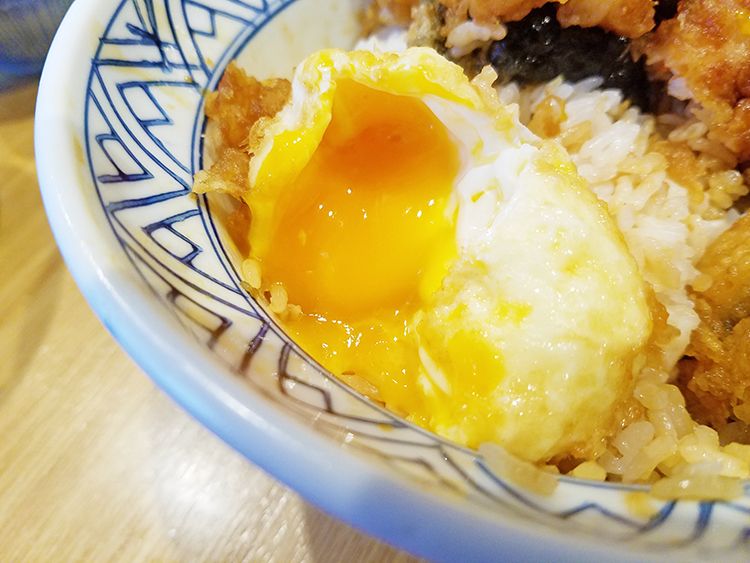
433 247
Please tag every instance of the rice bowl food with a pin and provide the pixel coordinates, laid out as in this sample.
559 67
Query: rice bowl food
545 268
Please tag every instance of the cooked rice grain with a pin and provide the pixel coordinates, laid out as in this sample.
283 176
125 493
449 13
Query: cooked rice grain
630 162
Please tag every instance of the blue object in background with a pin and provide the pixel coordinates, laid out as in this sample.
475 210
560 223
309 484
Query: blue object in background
26 31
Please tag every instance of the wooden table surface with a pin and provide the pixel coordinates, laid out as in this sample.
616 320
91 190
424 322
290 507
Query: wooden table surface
96 463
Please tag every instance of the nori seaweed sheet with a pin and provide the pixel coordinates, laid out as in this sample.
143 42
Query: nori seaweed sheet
537 49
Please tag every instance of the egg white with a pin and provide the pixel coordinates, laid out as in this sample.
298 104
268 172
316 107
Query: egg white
542 283
532 238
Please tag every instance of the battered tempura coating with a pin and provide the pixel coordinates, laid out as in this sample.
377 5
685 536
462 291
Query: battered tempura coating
717 382
390 12
629 18
705 53
239 101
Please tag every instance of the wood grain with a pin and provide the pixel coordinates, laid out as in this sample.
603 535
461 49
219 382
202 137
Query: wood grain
97 464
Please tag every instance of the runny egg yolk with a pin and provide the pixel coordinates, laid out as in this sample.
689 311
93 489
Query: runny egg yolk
362 236
360 226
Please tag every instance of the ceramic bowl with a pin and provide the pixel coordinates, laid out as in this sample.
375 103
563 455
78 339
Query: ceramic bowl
119 136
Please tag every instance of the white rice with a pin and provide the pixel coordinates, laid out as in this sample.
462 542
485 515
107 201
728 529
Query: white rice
652 210
665 446
470 35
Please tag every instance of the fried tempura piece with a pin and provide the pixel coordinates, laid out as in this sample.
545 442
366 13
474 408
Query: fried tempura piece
227 175
387 12
717 382
401 9
239 101
489 11
629 18
426 26
704 52
727 263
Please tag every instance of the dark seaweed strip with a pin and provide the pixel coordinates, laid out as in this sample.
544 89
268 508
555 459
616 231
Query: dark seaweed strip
665 10
537 49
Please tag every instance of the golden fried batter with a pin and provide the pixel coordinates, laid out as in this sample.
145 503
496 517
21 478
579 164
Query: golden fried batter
489 11
239 101
707 45
228 174
717 382
399 9
630 18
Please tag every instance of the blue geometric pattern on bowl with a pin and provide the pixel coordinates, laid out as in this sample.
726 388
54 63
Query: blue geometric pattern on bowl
144 140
